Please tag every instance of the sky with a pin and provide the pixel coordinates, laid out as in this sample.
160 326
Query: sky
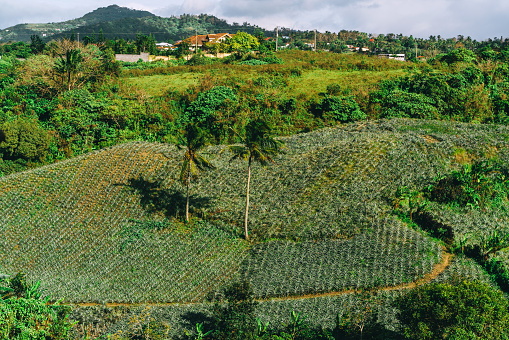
479 19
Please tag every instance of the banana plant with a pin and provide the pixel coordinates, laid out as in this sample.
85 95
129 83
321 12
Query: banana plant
4 291
261 329
296 324
199 332
494 243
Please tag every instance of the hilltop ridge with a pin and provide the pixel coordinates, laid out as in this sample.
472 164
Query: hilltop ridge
116 21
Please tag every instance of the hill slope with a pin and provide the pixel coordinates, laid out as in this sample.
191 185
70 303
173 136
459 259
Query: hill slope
122 22
22 32
98 228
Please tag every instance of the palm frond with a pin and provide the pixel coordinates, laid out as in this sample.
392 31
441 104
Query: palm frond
202 163
239 152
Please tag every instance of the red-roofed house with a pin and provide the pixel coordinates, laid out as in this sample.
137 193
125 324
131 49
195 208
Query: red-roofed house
200 40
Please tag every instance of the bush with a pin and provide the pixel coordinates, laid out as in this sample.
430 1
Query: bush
24 139
24 315
33 319
458 310
476 185
234 312
344 109
408 105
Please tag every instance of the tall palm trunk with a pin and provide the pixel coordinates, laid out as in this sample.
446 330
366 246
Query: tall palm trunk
247 198
187 200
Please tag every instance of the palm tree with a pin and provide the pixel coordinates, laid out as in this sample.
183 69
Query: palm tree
193 162
257 146
66 66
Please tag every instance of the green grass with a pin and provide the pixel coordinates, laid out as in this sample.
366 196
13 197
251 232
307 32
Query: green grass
159 85
355 74
315 81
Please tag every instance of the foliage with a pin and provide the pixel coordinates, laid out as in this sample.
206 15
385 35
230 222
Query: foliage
458 310
67 66
23 318
209 110
344 109
234 312
458 55
23 139
241 42
143 326
476 185
408 105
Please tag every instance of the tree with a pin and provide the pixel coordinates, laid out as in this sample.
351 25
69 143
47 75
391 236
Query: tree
233 312
36 44
242 42
193 162
258 146
24 139
458 310
67 66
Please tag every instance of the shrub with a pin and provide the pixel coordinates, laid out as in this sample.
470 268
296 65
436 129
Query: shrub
458 310
33 319
24 139
207 103
476 185
408 105
344 109
235 318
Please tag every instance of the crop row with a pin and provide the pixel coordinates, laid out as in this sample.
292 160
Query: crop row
69 222
387 255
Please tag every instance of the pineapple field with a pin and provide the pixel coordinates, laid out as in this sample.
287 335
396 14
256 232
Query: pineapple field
105 228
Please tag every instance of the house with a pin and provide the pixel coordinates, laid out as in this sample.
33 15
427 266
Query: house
200 40
400 57
163 46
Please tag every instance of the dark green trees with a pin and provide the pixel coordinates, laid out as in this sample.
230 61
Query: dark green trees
235 319
258 146
23 139
458 310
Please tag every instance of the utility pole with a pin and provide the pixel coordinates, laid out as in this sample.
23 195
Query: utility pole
196 42
315 39
78 34
277 36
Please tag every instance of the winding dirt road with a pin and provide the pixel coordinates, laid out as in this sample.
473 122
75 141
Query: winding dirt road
437 270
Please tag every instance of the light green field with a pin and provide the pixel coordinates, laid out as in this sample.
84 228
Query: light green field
309 84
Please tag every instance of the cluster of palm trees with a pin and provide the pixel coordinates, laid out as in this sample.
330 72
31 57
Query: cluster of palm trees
257 146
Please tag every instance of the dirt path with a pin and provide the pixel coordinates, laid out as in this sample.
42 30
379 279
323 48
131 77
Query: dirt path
437 270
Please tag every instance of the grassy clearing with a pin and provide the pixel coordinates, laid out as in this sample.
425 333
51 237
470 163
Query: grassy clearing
315 81
159 85
308 85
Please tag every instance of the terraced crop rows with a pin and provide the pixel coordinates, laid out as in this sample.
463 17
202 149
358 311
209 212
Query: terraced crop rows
386 256
63 224
70 224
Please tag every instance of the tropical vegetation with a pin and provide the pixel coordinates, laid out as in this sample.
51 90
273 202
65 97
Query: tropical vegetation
375 189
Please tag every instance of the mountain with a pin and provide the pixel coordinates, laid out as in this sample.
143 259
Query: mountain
22 32
122 22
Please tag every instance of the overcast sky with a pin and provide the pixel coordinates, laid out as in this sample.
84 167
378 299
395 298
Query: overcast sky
479 19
